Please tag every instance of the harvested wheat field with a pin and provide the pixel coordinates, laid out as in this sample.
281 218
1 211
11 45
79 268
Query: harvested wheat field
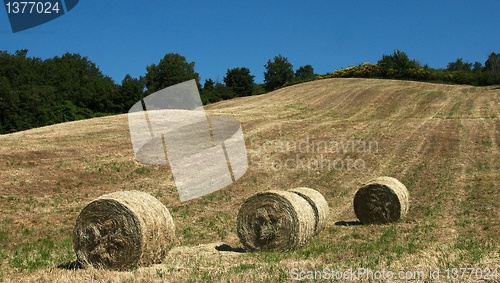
441 141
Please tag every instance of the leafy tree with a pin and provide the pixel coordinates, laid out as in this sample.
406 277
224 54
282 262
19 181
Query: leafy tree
492 66
129 92
477 67
278 73
240 81
34 92
258 89
461 72
459 65
171 70
209 85
21 53
305 73
9 103
22 94
396 65
223 91
493 63
80 81
66 111
207 92
215 91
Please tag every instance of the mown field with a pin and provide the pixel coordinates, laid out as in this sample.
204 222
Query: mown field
441 141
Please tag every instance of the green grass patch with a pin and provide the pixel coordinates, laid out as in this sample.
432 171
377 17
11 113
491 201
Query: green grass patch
62 165
4 238
315 248
273 257
42 253
187 233
142 171
473 249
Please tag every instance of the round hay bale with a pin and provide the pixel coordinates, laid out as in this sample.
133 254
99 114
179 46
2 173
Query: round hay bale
123 230
381 200
318 203
275 221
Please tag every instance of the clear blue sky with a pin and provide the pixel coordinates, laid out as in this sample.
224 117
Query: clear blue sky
123 37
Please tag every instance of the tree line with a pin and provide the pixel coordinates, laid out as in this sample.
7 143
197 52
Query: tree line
399 66
36 92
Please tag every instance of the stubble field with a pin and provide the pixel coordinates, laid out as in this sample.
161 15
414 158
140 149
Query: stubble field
441 141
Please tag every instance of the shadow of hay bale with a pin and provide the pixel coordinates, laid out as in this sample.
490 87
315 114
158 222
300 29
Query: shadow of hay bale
228 248
348 223
73 265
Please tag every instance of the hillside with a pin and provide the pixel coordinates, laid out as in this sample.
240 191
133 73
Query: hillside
441 141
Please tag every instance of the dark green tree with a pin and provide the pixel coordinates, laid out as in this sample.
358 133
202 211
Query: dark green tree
209 85
129 92
171 70
278 73
305 73
459 65
240 81
223 91
206 93
258 89
396 65
477 67
9 106
79 80
492 66
34 92
215 91
493 63
22 92
461 72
